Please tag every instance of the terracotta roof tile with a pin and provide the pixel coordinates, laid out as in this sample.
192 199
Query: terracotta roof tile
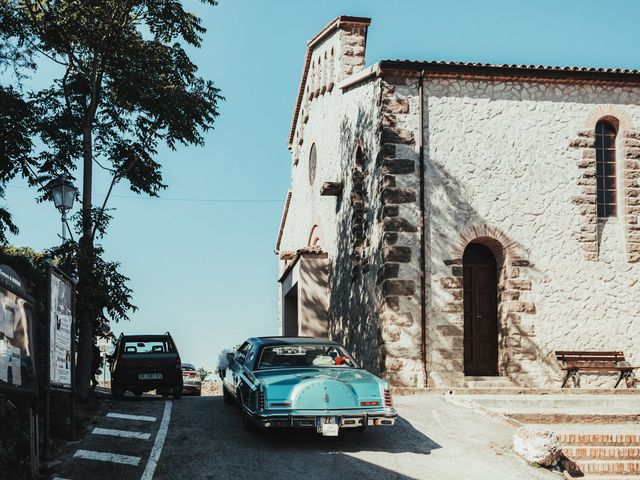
515 70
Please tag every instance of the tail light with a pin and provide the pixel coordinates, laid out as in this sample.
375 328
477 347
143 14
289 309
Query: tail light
369 404
178 363
260 400
388 402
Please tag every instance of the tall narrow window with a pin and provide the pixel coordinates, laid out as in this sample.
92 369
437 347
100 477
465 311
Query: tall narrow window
312 164
606 169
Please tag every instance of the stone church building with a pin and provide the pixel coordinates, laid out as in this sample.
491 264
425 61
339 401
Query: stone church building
453 223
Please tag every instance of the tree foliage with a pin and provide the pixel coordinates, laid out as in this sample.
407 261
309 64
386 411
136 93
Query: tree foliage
124 72
123 85
204 373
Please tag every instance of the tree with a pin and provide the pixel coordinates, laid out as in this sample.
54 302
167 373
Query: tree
126 86
204 373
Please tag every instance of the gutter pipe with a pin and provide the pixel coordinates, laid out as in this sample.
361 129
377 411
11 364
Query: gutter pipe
423 247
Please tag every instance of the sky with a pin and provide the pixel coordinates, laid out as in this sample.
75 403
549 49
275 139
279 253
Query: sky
201 259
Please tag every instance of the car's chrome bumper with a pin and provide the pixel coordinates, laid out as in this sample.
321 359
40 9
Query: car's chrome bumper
307 419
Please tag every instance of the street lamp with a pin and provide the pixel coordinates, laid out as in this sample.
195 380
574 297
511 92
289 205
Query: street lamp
63 193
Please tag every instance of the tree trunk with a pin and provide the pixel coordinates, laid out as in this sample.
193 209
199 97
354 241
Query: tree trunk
85 314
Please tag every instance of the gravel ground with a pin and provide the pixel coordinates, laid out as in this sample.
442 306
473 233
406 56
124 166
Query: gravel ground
211 388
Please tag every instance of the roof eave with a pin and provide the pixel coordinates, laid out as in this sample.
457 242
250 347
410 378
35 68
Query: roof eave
568 74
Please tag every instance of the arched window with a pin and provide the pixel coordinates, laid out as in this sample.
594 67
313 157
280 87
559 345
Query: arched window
606 169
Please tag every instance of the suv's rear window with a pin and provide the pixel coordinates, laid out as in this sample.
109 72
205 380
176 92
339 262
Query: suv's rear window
151 346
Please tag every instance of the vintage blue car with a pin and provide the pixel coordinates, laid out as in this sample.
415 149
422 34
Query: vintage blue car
303 382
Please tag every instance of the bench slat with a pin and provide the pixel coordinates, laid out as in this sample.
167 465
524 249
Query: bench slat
587 352
589 356
608 369
594 354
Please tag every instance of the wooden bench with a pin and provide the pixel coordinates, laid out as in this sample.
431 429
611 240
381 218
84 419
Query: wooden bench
575 362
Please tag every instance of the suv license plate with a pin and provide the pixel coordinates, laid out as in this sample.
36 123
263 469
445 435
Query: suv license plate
149 376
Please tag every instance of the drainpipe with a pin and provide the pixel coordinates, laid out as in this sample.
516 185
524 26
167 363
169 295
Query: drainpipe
423 247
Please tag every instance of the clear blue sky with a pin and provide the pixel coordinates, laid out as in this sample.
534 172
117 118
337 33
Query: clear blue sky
206 271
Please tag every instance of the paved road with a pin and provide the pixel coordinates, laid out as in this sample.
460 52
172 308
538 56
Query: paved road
205 439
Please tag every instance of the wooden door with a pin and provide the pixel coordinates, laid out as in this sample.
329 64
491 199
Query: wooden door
480 311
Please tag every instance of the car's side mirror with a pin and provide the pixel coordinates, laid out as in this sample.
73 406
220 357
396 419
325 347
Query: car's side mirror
240 359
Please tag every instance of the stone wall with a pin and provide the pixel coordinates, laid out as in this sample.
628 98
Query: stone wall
339 122
509 164
506 165
399 216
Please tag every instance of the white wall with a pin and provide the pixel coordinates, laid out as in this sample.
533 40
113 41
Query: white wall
498 154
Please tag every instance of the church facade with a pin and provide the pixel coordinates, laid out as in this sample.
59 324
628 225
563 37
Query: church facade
454 223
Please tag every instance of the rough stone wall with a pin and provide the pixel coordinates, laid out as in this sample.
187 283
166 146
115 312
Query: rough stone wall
502 168
339 121
628 153
335 58
399 217
353 44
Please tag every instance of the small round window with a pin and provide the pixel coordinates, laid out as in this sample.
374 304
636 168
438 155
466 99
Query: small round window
312 163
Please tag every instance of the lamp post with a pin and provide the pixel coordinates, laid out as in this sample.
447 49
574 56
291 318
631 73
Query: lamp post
64 193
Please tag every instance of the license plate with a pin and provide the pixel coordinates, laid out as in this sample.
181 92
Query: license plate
328 426
150 376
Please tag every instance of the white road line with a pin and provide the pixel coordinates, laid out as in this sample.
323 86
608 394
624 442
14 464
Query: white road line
107 457
158 444
125 416
121 433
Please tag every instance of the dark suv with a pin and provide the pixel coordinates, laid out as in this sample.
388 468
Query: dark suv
146 362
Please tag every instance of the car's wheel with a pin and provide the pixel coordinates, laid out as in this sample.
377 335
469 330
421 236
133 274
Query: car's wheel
227 397
198 393
177 393
117 391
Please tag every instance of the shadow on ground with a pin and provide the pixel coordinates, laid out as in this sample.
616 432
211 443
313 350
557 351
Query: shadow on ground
401 438
207 439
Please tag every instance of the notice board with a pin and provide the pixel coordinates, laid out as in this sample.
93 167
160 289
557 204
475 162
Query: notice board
17 346
61 330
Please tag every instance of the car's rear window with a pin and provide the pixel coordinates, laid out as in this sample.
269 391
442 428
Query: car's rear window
148 346
305 356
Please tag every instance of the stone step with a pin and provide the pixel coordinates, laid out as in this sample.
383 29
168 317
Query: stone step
605 404
514 390
600 439
579 453
484 385
489 382
602 467
577 418
475 378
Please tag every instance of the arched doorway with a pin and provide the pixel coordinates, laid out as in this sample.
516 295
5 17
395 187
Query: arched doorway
480 311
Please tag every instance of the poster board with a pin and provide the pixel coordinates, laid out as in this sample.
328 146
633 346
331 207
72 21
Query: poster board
18 372
61 330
